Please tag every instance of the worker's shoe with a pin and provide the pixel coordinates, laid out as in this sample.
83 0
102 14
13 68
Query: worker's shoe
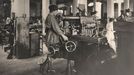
9 57
114 56
6 49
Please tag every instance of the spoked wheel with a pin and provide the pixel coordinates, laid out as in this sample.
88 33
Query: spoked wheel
70 46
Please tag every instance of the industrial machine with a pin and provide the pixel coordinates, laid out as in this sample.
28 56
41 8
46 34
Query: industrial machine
84 42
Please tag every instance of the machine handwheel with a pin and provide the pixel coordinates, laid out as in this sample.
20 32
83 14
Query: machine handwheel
70 46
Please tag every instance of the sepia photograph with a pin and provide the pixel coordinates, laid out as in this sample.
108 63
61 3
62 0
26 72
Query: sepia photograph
66 37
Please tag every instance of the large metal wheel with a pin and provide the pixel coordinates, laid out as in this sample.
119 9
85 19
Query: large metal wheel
70 46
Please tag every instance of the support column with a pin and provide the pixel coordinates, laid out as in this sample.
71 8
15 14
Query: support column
45 11
119 9
131 5
126 4
110 8
83 2
74 7
12 6
21 8
94 1
110 31
68 10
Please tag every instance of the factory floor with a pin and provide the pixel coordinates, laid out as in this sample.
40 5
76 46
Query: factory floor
26 66
122 65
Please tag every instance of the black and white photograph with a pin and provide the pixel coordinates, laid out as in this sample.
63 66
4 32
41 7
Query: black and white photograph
66 37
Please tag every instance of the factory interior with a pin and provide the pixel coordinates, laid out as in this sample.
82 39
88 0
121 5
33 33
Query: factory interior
98 37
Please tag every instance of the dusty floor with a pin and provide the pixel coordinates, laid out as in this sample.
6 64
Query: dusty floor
25 66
